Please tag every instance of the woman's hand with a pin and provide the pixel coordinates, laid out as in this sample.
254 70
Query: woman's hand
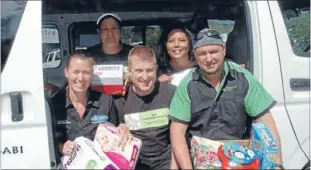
124 135
67 148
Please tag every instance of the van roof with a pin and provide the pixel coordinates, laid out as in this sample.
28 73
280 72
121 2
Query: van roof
211 7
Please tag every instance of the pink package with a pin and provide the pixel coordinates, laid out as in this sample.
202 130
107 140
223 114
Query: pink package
106 141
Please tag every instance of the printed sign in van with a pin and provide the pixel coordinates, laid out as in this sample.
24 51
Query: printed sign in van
108 79
50 34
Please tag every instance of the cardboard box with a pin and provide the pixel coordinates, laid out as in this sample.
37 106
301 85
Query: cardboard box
108 79
106 143
245 142
85 156
264 144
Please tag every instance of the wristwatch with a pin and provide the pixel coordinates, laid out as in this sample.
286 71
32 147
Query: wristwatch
279 166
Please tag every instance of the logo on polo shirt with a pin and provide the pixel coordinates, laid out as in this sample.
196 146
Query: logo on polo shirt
147 119
229 88
99 118
62 122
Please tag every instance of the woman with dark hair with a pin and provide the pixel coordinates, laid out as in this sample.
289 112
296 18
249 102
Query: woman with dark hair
175 52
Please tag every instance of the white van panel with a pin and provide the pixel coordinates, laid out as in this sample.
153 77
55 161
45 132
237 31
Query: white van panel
267 70
23 73
292 66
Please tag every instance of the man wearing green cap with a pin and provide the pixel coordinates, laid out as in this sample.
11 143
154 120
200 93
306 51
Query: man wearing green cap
216 100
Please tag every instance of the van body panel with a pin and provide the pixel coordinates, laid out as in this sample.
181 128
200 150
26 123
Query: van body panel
25 78
268 71
297 101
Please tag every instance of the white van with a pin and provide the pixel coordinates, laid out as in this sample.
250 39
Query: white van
272 38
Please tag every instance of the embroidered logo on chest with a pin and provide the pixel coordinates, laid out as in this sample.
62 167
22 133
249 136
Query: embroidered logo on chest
229 88
99 118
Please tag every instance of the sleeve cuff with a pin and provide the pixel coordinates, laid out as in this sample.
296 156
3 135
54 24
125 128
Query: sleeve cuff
171 117
266 110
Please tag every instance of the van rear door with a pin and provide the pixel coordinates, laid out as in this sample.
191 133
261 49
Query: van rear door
24 125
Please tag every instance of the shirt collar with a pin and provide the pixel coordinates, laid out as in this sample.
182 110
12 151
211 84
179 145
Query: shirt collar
90 99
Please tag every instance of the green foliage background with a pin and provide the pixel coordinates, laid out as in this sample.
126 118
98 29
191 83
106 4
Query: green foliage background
299 32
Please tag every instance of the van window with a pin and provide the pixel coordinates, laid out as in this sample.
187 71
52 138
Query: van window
11 14
84 35
224 27
45 59
50 43
132 35
57 57
51 56
297 22
153 33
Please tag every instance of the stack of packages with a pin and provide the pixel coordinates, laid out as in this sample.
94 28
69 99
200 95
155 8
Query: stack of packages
103 153
259 152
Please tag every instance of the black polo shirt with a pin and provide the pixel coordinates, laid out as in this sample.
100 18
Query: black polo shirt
69 126
220 114
102 58
146 116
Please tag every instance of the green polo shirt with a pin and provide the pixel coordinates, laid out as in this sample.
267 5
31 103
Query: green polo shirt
224 113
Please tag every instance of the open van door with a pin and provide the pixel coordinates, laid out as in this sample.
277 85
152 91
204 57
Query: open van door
26 138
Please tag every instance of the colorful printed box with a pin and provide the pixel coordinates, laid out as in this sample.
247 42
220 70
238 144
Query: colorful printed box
263 142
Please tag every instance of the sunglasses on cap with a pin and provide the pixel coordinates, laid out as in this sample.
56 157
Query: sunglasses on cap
209 33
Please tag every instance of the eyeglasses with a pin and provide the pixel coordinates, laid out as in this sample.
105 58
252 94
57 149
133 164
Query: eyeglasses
209 33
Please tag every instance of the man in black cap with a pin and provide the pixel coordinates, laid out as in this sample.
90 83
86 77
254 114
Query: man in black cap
110 50
216 100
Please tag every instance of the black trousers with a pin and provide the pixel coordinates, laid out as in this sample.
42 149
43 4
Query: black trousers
165 164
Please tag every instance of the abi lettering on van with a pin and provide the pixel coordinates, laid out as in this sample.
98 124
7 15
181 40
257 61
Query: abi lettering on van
12 150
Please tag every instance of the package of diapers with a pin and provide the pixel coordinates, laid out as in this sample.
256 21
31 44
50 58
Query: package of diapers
85 156
106 141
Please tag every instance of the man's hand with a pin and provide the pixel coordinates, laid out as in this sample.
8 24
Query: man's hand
67 148
124 135
165 78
